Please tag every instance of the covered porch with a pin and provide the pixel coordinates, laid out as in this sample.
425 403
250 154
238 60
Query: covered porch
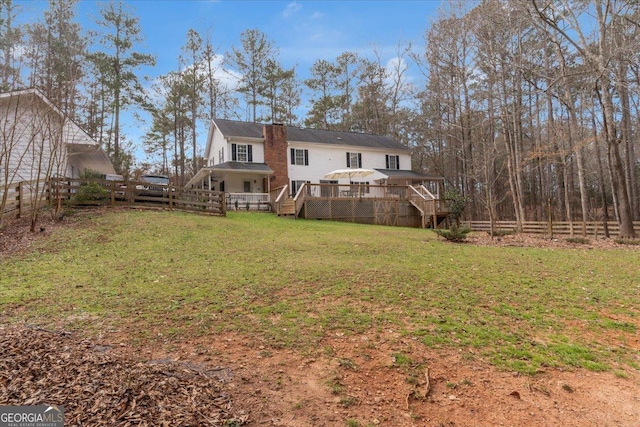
247 185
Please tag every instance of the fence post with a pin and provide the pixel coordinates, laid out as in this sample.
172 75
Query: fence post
550 213
20 199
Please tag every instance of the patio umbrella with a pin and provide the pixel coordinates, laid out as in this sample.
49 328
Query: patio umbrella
349 173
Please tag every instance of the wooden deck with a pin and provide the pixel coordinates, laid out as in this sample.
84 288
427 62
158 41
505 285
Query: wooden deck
407 206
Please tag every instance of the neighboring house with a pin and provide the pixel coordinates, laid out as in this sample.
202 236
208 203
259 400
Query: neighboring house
39 141
258 158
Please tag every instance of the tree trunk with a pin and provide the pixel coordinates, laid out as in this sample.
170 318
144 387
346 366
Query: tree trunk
620 189
601 179
627 138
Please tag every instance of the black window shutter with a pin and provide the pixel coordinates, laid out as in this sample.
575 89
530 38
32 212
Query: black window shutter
234 153
306 157
386 157
250 153
348 159
397 162
359 160
293 156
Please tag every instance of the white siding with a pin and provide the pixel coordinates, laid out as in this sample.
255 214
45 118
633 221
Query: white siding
34 137
220 151
235 183
323 158
326 158
217 144
31 140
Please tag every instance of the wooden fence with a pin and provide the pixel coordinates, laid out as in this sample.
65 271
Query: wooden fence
594 229
21 197
81 192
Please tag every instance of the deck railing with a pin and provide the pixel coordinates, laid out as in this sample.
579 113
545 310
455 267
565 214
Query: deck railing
279 195
335 191
367 203
425 205
300 196
249 201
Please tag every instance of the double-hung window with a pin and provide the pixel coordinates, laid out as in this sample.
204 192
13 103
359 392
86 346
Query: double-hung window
241 153
299 157
354 160
393 162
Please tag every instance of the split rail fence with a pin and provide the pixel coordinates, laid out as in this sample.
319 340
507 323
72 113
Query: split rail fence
21 197
594 229
65 192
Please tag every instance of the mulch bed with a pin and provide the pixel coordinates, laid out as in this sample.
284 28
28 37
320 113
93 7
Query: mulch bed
100 385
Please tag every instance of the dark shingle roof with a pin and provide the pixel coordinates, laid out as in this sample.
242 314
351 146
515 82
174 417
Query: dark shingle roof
294 134
241 166
239 129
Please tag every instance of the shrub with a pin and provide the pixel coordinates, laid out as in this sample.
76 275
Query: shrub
456 203
91 191
455 233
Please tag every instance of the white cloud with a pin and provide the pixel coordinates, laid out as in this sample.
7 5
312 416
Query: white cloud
291 9
317 15
396 65
227 77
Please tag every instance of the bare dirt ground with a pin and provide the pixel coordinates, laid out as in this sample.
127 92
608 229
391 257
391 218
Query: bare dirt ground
348 381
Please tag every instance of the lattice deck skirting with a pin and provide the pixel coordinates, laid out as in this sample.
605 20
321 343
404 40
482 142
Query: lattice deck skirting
395 212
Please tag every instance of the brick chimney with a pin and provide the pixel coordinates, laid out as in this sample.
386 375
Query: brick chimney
275 153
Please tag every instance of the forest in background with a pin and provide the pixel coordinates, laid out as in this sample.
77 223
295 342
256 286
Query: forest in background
530 109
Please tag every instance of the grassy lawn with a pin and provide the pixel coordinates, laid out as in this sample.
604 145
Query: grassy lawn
292 282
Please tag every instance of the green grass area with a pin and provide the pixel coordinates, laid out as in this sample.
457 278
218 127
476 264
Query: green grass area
292 282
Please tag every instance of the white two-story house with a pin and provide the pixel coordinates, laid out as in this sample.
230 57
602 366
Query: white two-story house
258 158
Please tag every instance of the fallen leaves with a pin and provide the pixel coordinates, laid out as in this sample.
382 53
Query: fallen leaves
100 386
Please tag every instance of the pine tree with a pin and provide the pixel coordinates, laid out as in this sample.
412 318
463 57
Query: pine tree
119 63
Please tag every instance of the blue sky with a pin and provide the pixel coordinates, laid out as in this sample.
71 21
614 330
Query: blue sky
303 31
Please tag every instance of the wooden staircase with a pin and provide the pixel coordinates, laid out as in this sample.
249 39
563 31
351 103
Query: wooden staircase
288 208
431 213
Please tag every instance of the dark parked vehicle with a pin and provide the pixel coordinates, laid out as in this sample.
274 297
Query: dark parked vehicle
153 185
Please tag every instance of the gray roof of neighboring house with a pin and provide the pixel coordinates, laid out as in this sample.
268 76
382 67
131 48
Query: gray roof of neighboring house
254 130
